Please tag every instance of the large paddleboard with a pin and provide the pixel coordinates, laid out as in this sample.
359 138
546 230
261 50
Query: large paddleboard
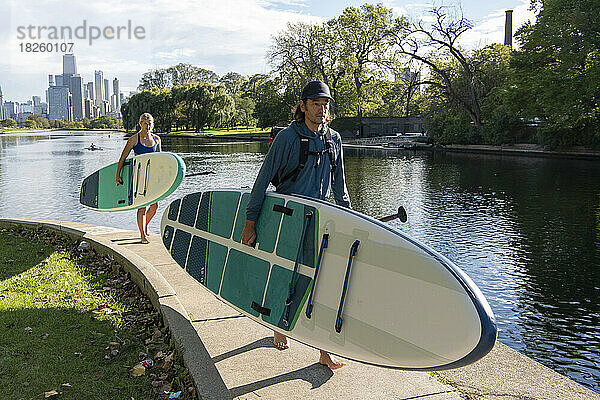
332 278
147 178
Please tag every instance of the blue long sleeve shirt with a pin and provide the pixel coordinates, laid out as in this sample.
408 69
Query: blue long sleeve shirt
314 180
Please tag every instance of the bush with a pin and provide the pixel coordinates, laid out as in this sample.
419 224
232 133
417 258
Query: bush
453 127
503 127
8 123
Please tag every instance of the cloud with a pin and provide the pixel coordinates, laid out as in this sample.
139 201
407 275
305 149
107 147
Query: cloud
222 35
491 28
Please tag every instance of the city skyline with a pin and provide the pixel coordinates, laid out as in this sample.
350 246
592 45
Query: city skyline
68 97
225 36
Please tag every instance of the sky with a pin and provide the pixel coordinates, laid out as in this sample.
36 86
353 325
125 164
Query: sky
219 35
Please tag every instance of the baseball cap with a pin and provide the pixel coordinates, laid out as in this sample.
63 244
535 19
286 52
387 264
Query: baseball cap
315 90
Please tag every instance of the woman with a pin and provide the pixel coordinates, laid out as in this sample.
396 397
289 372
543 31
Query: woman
142 142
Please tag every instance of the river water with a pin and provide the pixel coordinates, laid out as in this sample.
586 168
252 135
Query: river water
525 229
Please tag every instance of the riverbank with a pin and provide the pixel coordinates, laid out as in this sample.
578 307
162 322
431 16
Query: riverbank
24 130
77 315
230 356
524 149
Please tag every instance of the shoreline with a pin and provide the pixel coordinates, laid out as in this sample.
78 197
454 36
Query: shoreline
526 149
523 149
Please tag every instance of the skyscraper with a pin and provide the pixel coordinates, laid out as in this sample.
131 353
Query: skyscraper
60 103
11 109
77 97
99 87
117 94
50 80
106 91
1 104
90 90
69 65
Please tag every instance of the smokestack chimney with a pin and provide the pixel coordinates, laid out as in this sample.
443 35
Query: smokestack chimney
508 28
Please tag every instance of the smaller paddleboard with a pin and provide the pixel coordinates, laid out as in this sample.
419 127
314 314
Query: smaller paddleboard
147 178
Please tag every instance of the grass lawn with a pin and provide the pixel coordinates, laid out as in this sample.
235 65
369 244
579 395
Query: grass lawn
237 131
72 323
9 130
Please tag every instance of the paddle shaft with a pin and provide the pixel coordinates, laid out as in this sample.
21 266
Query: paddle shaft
401 214
200 173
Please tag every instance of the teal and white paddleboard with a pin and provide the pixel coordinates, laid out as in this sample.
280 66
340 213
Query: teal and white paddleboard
332 278
147 178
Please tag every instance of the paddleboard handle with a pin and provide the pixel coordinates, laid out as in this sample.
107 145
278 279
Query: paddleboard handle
146 177
324 243
292 287
339 320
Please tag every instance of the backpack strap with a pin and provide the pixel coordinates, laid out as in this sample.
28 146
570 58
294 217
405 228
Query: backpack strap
301 163
330 147
304 152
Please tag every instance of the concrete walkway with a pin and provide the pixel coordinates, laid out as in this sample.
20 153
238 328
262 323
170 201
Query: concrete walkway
231 357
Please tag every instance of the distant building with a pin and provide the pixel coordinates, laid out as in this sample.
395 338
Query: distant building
98 87
117 94
26 107
60 103
50 80
69 64
409 76
77 97
90 91
58 80
11 109
1 104
89 108
379 126
106 91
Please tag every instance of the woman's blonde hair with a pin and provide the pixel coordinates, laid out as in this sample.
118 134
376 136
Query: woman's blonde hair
144 117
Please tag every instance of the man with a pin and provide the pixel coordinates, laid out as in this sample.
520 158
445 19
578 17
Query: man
323 169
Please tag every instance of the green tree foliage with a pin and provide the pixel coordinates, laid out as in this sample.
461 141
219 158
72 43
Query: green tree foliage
367 35
192 105
234 83
273 100
8 123
176 75
40 122
103 122
349 53
557 72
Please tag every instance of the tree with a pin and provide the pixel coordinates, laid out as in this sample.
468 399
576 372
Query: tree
176 75
367 35
233 82
8 123
244 108
447 62
157 78
557 70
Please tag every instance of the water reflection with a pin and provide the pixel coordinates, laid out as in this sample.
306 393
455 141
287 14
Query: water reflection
525 229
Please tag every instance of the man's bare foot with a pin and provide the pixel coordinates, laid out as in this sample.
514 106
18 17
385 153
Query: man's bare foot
329 361
144 240
280 341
